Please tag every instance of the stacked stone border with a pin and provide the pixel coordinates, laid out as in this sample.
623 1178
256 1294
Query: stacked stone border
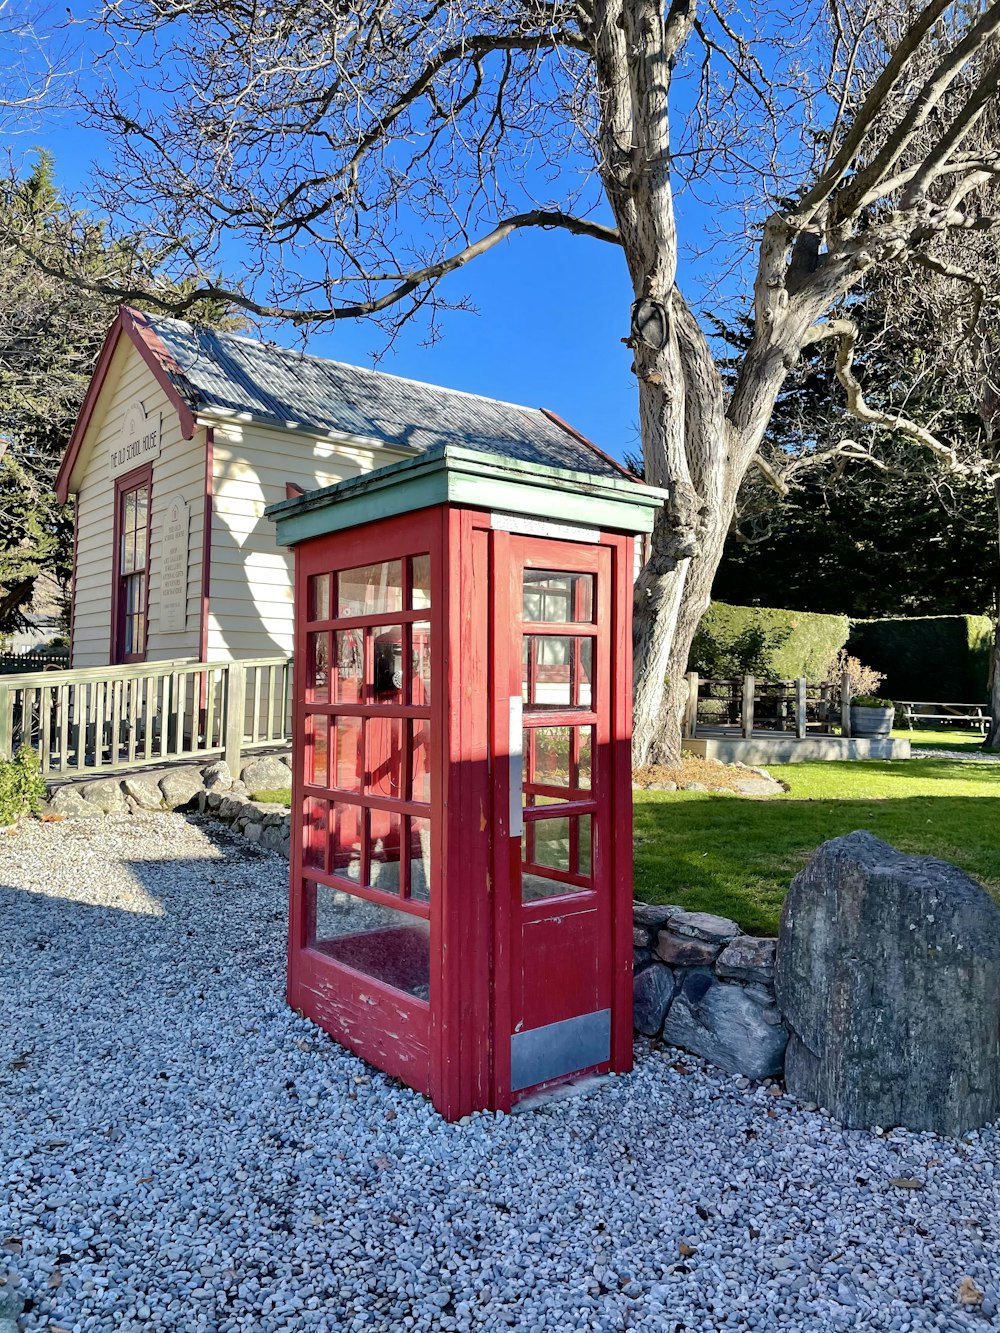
702 985
211 790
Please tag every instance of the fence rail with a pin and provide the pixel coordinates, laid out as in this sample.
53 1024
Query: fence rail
108 719
744 705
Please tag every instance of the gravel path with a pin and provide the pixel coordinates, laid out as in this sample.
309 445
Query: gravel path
973 756
181 1152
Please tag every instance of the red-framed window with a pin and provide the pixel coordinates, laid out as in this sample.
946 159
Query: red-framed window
366 817
558 653
130 589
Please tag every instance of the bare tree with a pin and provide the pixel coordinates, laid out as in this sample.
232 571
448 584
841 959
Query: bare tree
34 64
362 151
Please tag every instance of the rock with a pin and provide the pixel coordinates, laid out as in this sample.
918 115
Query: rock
213 799
683 951
239 789
653 916
888 975
266 774
704 926
180 787
217 777
653 989
106 794
230 807
748 959
758 787
12 1302
144 794
69 802
719 1021
252 832
694 786
271 839
640 959
640 937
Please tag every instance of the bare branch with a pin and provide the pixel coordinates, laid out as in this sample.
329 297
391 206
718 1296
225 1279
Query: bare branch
846 333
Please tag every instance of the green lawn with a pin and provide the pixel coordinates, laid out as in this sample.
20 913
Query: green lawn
737 856
944 738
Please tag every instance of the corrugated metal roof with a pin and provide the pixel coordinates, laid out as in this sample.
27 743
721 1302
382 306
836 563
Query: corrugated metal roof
225 372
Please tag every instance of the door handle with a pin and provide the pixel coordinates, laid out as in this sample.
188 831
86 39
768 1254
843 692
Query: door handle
515 751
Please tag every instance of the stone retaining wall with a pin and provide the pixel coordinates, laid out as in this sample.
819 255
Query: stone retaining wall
212 790
703 985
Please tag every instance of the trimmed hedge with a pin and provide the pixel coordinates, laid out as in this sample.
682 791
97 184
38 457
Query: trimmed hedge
771 643
942 659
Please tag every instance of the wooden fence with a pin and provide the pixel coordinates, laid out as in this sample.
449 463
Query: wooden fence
745 704
108 719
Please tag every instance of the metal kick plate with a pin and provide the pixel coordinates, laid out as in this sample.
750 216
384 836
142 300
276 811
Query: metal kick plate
559 1048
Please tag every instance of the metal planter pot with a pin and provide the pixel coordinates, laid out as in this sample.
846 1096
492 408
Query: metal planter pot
871 721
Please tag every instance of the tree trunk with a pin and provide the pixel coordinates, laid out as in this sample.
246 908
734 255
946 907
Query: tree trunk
992 741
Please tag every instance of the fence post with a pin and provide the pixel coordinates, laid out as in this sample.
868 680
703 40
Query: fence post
800 708
845 705
691 711
6 721
748 693
236 700
824 706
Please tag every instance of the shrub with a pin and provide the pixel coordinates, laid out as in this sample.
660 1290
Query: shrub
944 659
766 642
871 701
864 680
21 786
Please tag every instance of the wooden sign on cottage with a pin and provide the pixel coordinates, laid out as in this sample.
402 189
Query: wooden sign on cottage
186 435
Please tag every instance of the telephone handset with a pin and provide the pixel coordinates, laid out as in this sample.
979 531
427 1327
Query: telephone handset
388 663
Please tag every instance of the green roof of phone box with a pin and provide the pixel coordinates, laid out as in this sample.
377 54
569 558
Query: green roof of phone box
470 479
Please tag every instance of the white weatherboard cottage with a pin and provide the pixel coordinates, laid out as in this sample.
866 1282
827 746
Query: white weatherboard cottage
185 436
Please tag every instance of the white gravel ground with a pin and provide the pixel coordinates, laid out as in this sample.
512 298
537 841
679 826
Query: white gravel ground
181 1152
972 756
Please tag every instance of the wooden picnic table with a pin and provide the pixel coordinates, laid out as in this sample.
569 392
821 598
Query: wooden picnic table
915 711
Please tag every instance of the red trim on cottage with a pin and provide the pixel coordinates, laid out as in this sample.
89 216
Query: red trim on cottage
142 476
159 360
72 591
571 430
206 544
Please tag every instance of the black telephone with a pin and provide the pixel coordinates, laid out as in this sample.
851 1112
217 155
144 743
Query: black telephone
388 663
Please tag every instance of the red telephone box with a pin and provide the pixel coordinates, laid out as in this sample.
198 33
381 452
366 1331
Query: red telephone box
461 878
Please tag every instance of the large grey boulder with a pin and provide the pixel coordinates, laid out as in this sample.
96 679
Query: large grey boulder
217 777
737 1027
106 794
266 774
180 787
68 802
888 976
146 795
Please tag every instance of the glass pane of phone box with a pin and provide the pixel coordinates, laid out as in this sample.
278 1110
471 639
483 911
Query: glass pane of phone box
389 945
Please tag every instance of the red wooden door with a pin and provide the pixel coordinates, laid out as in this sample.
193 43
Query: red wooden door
553 634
